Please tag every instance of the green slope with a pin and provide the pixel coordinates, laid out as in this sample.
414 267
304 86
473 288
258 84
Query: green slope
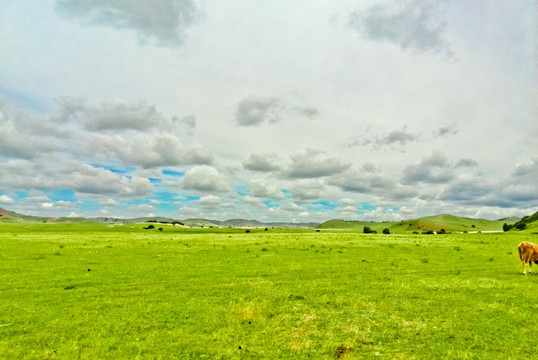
527 224
449 223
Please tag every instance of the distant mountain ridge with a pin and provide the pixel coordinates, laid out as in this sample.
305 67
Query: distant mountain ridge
6 215
437 223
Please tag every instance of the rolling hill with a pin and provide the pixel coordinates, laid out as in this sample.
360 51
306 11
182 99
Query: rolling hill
449 223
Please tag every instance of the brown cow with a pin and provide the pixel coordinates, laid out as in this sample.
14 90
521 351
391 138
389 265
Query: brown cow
528 252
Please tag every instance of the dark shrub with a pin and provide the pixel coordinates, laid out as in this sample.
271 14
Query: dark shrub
386 231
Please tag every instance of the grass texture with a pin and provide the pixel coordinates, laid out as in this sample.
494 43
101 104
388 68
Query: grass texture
96 292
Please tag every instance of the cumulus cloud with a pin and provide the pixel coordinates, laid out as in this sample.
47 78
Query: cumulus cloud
150 150
262 162
205 178
313 164
7 200
256 110
312 189
23 138
49 174
162 21
262 189
415 25
209 200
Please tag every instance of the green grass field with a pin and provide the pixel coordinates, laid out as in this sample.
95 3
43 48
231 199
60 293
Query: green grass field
104 292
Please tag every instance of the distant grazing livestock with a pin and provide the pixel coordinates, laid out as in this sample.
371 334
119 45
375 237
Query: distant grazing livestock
528 252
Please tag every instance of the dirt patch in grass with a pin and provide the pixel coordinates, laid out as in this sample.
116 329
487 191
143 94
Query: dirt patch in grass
343 352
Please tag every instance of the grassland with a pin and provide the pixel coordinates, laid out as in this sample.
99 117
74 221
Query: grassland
81 291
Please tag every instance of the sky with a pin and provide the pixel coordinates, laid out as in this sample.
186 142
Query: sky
299 111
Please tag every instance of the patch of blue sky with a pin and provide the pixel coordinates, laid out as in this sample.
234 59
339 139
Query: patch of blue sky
287 194
61 195
366 206
172 173
166 207
242 190
21 194
323 205
188 198
116 169
155 180
270 203
89 205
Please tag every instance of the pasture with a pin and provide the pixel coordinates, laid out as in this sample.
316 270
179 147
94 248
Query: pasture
97 292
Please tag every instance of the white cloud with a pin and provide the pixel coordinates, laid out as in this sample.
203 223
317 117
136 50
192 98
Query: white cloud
263 162
4 199
205 178
313 189
263 189
150 150
314 164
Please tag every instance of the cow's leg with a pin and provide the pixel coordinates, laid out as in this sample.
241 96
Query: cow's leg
524 264
530 266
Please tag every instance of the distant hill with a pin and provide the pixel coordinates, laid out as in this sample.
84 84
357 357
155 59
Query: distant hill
449 223
527 223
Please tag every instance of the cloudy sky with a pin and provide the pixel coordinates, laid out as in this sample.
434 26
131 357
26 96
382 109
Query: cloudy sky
271 110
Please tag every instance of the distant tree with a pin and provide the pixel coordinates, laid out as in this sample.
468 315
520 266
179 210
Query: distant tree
443 231
521 226
150 227
507 227
160 229
266 229
247 231
367 230
386 231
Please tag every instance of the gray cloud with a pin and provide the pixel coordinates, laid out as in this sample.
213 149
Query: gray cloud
446 131
262 162
313 164
23 137
112 116
303 190
187 122
161 21
397 139
255 110
411 24
51 174
466 163
373 183
434 169
149 150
